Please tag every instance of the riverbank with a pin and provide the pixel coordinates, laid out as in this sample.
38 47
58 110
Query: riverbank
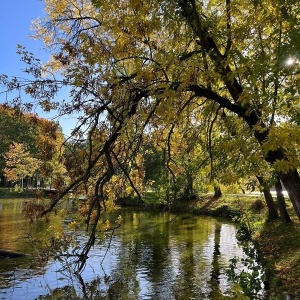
280 247
15 193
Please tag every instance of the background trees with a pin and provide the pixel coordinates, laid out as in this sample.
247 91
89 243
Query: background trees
19 164
14 127
31 146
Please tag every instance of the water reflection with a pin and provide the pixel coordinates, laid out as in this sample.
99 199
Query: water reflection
151 256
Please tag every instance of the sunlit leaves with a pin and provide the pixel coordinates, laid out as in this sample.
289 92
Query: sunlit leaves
41 139
19 163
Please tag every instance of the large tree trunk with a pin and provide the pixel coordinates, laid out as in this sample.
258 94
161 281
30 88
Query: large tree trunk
272 210
291 181
189 187
217 192
281 203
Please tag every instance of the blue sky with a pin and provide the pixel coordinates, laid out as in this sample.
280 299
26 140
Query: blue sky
15 24
14 29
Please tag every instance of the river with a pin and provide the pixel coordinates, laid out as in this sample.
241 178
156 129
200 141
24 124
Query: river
151 256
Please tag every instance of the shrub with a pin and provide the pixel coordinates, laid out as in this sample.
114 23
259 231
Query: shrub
257 205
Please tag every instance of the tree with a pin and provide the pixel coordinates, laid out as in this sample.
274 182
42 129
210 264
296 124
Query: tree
134 66
50 150
246 98
14 127
281 203
19 164
41 137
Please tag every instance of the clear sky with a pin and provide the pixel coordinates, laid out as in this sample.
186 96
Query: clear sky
15 22
14 29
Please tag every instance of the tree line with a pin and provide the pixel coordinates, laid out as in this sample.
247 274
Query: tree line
31 150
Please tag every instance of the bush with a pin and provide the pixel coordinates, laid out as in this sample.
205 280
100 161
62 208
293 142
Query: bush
226 212
257 205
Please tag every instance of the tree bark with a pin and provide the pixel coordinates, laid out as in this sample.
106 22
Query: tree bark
218 192
189 187
291 181
272 210
281 203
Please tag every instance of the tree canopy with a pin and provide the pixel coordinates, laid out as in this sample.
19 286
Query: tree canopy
14 127
142 70
19 163
40 140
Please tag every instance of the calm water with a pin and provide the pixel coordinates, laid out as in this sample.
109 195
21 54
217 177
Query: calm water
151 256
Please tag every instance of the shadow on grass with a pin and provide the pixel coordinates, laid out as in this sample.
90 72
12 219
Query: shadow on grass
280 246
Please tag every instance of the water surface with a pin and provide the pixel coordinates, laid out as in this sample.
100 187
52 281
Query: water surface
151 256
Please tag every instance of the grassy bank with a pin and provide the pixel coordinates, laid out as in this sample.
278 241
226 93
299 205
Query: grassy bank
280 245
13 193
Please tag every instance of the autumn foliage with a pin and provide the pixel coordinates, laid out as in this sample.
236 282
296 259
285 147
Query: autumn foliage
30 144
